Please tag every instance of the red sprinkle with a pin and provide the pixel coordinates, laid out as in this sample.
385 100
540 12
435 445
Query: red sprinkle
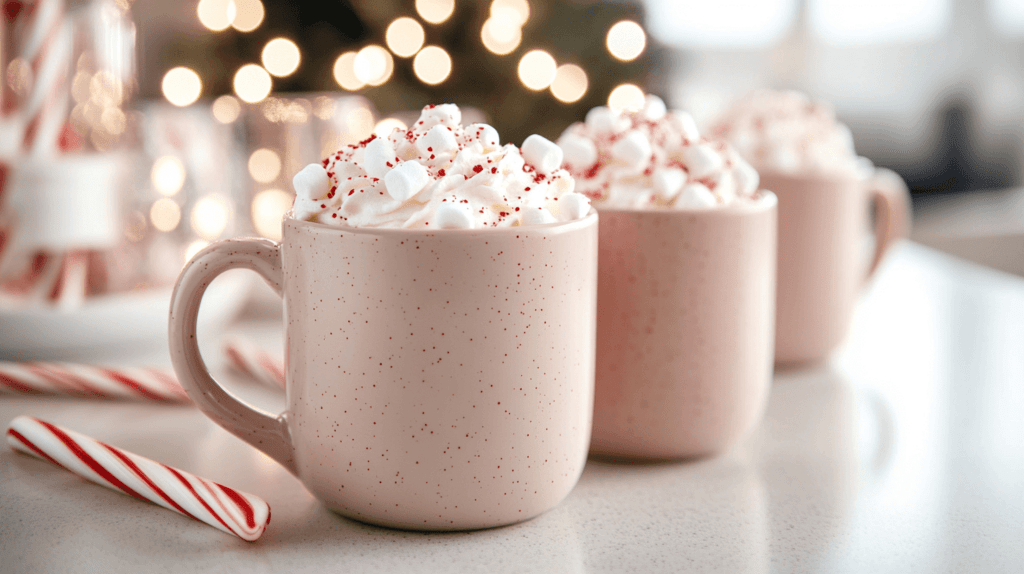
440 172
478 168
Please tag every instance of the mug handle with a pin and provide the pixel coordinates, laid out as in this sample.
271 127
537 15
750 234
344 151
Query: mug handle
259 428
891 200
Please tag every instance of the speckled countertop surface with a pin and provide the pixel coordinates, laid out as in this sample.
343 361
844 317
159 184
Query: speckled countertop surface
905 453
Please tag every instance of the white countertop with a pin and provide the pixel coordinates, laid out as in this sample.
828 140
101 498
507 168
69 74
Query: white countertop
904 454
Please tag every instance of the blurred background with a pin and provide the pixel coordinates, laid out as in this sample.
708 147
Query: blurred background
933 89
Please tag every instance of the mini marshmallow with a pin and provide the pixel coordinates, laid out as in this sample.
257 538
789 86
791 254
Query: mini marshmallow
695 196
452 216
445 114
572 206
378 154
485 134
579 152
725 186
543 154
312 182
602 120
702 160
633 149
654 107
668 181
438 139
537 216
406 180
306 209
686 125
747 178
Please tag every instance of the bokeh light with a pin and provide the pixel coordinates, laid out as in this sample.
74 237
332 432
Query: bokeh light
500 36
248 15
252 83
626 97
432 65
626 40
345 74
167 175
264 165
359 122
435 11
226 109
388 125
570 83
537 69
181 86
373 65
268 209
165 214
210 216
405 37
195 247
519 9
281 57
216 15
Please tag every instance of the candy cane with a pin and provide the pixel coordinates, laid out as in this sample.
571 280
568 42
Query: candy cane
240 513
253 361
91 381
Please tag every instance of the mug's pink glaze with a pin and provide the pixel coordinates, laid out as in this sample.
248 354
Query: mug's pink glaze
684 331
822 267
435 380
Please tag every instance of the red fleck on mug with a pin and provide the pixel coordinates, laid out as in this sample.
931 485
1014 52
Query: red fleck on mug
436 380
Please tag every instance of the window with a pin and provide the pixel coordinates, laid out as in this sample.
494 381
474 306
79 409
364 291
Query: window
720 23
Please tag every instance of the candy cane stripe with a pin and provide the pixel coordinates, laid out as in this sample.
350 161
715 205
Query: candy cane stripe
226 509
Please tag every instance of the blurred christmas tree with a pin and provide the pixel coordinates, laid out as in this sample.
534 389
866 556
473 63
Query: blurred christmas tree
531 67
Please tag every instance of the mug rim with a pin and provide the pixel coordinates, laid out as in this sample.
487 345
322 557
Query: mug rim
767 201
817 176
557 227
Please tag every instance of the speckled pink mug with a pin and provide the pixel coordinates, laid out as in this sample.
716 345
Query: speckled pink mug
435 380
685 328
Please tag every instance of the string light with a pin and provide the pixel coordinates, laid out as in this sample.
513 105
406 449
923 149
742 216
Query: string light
537 69
345 74
167 175
216 15
432 65
281 57
165 214
500 36
435 11
373 65
264 165
626 40
268 209
519 8
570 83
226 109
388 125
248 16
181 86
626 97
210 216
405 37
252 83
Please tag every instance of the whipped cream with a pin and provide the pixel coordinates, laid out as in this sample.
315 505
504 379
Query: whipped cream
653 158
439 175
784 131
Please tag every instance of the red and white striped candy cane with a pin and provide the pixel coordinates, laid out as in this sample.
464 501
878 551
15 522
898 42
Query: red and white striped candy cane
91 381
240 513
252 360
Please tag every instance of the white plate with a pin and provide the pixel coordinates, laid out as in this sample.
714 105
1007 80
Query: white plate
137 320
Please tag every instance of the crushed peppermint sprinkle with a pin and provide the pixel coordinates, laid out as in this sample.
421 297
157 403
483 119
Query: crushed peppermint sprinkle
653 158
435 172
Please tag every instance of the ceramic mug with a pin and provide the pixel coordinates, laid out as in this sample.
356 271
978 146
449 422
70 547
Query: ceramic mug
435 380
684 330
821 257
